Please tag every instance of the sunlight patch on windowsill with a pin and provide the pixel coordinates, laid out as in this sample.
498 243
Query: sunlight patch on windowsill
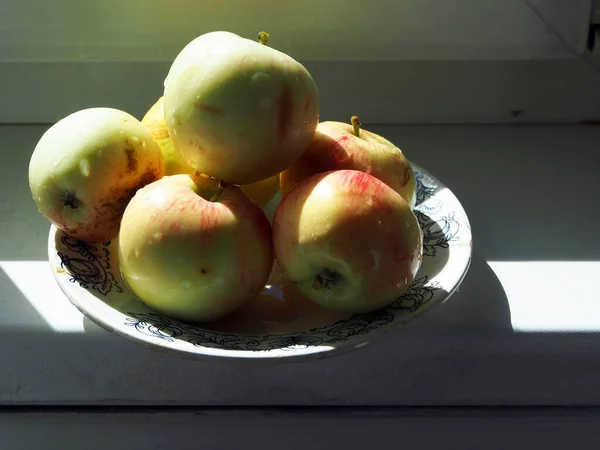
551 296
33 278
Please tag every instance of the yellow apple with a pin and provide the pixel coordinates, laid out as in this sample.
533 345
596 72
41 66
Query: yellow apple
154 121
193 249
262 191
348 241
87 166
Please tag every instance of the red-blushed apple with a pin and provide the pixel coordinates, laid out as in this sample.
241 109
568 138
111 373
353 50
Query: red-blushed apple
86 167
338 145
347 240
239 110
261 191
193 249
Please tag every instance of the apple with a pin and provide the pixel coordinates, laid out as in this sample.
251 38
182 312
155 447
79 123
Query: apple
261 191
347 240
337 145
87 166
193 249
237 109
154 121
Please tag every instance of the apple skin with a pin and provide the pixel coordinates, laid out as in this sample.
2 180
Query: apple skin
190 257
154 121
87 166
336 147
261 191
238 110
348 241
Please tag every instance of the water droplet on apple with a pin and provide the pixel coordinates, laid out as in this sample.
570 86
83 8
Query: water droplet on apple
143 143
158 235
84 167
136 252
265 103
174 131
185 285
122 131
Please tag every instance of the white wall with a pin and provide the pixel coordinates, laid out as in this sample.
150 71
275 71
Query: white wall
389 61
310 30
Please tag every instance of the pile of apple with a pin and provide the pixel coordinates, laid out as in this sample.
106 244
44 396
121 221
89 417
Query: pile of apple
184 189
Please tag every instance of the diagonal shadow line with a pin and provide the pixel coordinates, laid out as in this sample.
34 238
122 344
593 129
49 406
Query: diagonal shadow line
16 311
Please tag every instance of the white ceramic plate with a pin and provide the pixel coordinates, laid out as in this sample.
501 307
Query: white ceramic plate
279 323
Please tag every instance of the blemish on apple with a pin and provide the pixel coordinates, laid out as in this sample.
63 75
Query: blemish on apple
131 158
407 175
208 108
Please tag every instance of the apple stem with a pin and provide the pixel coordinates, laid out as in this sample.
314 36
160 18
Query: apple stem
263 37
221 187
355 125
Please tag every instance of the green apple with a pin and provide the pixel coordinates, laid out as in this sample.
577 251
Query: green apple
261 191
193 249
347 240
86 167
238 110
338 145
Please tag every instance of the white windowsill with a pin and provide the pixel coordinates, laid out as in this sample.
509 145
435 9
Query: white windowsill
523 328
